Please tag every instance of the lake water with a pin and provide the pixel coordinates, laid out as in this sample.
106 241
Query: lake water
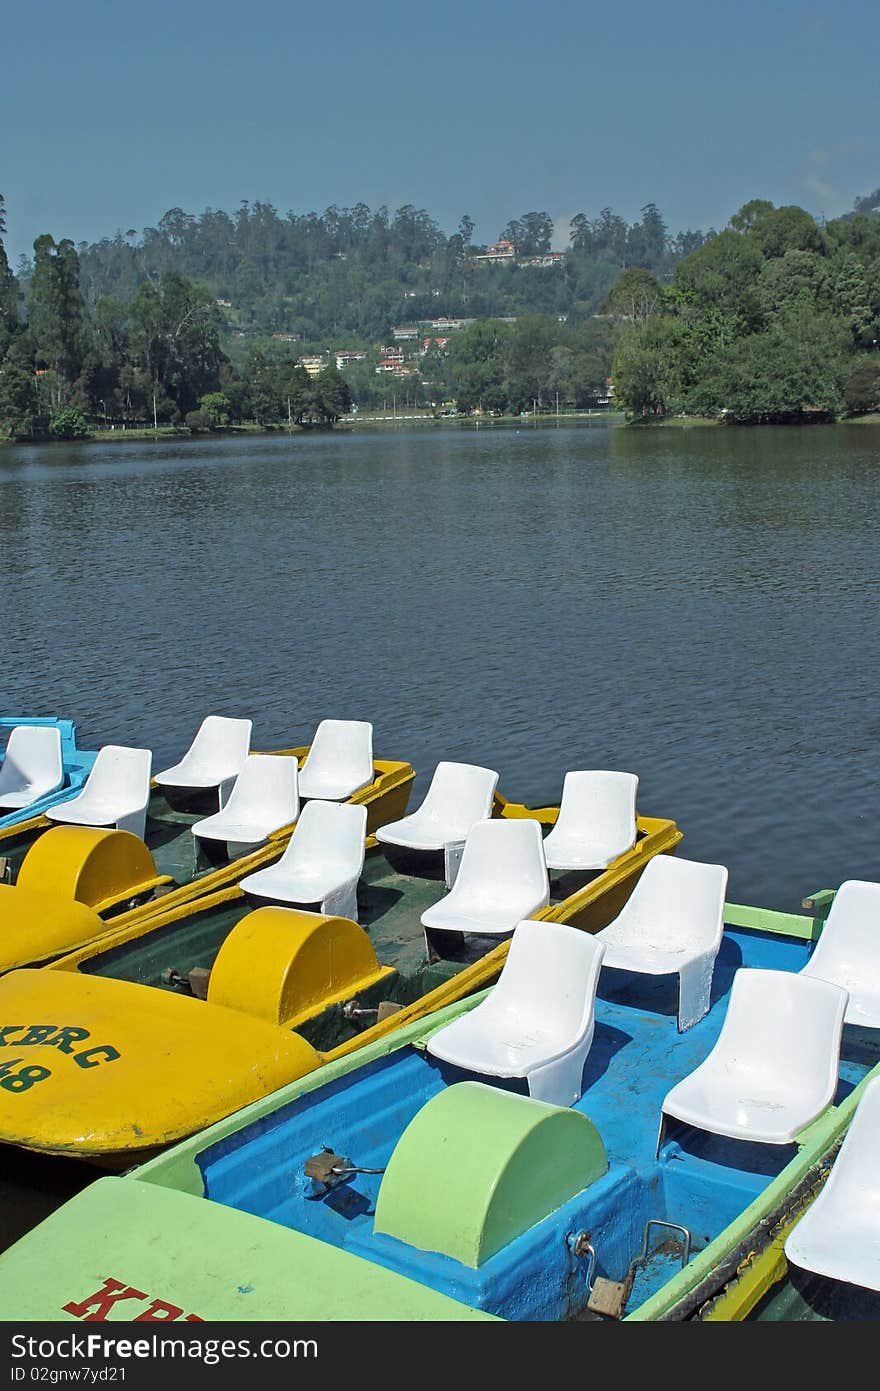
698 606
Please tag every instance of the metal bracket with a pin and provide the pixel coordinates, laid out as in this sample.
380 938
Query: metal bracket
352 1010
609 1297
452 854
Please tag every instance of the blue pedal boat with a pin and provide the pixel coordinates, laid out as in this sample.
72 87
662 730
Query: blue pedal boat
463 1183
75 766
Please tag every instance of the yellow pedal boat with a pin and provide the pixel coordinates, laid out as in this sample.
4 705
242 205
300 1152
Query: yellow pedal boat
186 1009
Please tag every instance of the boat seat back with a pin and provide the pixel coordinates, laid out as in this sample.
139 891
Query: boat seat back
116 791
328 835
32 766
502 878
503 860
322 862
538 1021
839 1235
596 821
848 951
339 760
460 794
217 753
264 797
672 924
774 1066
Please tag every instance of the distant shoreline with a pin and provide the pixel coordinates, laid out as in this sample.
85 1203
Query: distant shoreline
351 425
347 424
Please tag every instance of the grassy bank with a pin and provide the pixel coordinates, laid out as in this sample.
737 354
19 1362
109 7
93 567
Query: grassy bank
685 422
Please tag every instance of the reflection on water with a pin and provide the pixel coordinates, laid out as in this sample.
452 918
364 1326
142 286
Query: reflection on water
698 606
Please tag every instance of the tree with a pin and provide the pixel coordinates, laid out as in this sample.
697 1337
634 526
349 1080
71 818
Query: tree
528 360
785 278
646 367
531 234
8 290
56 313
856 295
869 204
750 213
175 340
68 423
647 240
215 405
861 390
777 230
262 387
634 295
722 274
332 395
20 414
791 371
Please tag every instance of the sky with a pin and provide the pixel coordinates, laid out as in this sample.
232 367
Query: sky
111 114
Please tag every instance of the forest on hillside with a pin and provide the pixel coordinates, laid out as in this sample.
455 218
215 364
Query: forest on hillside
144 327
203 320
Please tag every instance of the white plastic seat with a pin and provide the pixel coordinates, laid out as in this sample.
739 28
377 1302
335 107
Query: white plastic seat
264 798
672 924
115 793
32 766
502 879
322 863
596 822
839 1234
460 795
848 951
215 757
775 1064
339 761
538 1021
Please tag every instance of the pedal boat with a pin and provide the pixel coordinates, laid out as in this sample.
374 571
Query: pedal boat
118 1054
64 886
75 766
406 1165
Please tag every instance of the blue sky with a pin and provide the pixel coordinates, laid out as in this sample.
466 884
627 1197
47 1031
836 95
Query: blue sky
112 113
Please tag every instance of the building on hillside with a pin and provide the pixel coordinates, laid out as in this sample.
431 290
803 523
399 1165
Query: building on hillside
345 359
405 333
313 363
444 324
548 258
502 250
433 344
393 368
286 337
606 394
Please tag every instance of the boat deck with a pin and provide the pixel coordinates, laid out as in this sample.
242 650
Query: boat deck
390 905
167 834
637 1055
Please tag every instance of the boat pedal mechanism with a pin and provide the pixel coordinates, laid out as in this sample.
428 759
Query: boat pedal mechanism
330 1169
353 1010
609 1297
196 980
